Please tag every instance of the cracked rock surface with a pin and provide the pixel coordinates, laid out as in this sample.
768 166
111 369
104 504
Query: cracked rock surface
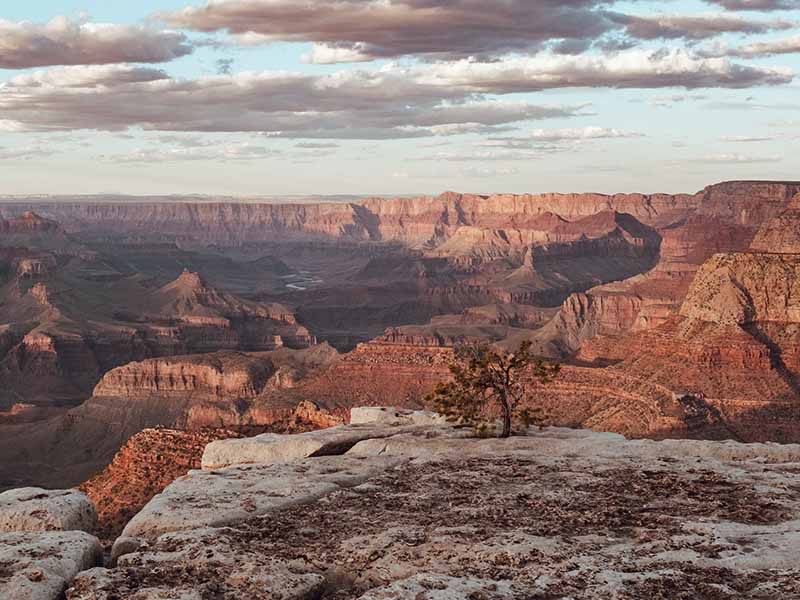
430 515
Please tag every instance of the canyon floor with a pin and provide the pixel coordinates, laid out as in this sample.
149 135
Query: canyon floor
402 506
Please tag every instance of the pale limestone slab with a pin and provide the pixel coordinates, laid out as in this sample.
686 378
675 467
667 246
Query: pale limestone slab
35 509
40 565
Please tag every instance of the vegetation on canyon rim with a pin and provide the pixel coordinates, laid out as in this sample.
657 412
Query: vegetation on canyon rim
485 379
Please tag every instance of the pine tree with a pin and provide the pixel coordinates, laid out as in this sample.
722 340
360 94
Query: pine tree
484 378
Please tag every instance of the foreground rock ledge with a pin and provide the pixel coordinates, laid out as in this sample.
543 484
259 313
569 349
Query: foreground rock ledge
40 566
35 509
424 514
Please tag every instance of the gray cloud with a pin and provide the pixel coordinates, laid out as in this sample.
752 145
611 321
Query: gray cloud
367 105
760 5
364 30
224 66
739 159
64 42
356 30
754 50
392 102
695 27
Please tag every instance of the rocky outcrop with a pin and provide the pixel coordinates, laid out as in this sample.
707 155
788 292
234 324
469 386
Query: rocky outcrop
149 462
44 542
781 235
28 222
271 448
42 566
393 416
744 288
428 513
35 509
222 376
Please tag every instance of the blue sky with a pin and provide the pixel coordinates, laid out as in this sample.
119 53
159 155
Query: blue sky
650 137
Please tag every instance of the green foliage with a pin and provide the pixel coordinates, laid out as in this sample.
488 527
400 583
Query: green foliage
485 379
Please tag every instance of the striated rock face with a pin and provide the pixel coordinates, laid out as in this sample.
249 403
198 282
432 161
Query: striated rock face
734 346
28 223
736 213
220 376
744 288
781 235
428 513
585 316
413 221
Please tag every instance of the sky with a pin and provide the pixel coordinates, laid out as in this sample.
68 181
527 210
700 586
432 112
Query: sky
391 97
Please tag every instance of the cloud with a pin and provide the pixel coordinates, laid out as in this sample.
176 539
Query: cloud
739 159
381 104
754 50
26 152
552 139
357 30
350 31
204 152
429 99
489 172
492 155
698 27
751 104
587 133
636 68
670 100
760 5
224 66
317 145
750 138
25 45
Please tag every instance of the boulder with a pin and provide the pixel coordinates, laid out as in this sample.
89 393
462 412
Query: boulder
384 415
271 448
35 509
40 565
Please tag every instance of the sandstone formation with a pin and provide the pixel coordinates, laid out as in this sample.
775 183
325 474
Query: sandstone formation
727 218
424 512
733 345
219 391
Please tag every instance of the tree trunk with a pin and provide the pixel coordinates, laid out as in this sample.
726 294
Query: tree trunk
506 417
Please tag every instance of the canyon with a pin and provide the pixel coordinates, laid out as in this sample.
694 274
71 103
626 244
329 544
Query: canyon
673 315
